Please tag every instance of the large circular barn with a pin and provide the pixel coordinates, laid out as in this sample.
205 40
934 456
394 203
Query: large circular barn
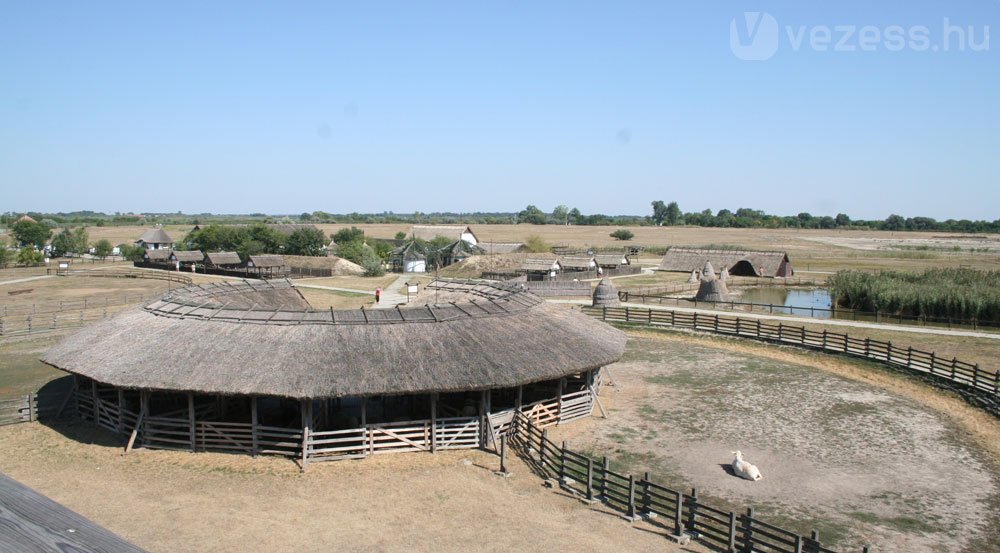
251 367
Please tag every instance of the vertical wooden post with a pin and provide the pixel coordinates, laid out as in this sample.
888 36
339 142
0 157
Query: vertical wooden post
97 403
605 467
541 446
370 443
562 384
254 420
631 497
748 532
434 424
143 413
306 408
520 397
503 454
824 338
868 347
693 511
590 479
31 406
678 514
732 532
483 433
798 544
562 462
121 411
191 424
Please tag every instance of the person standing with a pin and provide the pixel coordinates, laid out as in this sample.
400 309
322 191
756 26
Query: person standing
378 295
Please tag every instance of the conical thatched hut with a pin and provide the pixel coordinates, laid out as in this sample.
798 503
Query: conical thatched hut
693 279
250 367
605 294
711 288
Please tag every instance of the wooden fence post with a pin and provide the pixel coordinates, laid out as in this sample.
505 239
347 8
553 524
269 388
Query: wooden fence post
975 375
605 467
692 512
888 352
31 407
732 532
678 514
541 446
253 426
503 454
590 479
868 347
630 513
758 329
747 532
824 339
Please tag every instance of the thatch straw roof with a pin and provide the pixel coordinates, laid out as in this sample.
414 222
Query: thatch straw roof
502 247
461 249
193 256
430 232
611 259
711 288
161 254
499 337
155 236
577 263
741 263
409 251
541 265
223 258
265 261
605 294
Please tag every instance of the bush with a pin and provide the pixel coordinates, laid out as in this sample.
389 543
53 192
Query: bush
954 293
28 256
371 262
536 244
622 234
102 248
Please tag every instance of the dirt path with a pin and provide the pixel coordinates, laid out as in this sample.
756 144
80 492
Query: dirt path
26 279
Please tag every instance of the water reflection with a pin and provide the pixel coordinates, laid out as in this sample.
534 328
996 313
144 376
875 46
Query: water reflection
814 302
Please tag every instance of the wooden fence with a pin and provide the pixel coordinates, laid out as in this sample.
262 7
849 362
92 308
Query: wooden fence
28 408
683 515
980 386
131 273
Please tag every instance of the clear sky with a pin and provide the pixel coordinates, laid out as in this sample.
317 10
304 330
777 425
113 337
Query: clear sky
284 107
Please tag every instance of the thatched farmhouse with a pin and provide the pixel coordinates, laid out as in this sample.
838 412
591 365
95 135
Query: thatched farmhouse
155 239
156 255
457 251
186 259
223 260
739 263
541 269
408 258
455 232
578 263
250 367
612 260
267 265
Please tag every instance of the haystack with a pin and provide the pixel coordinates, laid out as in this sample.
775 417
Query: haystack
605 294
694 278
711 288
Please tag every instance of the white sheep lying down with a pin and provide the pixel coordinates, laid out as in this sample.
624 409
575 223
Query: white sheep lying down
744 469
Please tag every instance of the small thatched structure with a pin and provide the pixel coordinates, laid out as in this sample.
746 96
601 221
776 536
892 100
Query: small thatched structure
740 263
605 294
493 248
693 279
611 260
541 269
267 265
251 367
455 232
711 288
155 239
457 251
186 258
409 258
157 256
223 260
578 263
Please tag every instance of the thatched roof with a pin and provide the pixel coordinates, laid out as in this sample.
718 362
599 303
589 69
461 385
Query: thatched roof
408 251
577 263
193 256
498 337
541 265
155 236
265 261
605 294
161 254
462 249
611 259
711 288
223 258
503 247
744 263
287 229
430 232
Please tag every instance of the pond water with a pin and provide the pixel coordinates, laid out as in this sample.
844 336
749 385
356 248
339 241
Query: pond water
798 301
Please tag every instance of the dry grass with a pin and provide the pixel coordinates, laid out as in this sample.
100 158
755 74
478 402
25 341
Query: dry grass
175 501
326 299
352 282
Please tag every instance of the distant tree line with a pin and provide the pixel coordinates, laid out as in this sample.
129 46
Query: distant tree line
663 214
247 240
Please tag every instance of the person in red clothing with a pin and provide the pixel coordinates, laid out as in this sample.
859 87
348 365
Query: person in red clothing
378 295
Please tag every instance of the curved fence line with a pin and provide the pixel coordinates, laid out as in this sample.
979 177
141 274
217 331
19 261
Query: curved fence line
683 515
980 386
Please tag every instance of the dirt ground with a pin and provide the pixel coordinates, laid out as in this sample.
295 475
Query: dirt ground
861 456
173 501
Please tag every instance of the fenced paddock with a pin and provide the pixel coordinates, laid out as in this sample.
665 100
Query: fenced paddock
682 515
979 386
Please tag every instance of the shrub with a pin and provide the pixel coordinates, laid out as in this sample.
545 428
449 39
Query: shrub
622 234
536 244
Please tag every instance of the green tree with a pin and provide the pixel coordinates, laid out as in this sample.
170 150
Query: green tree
371 262
81 240
102 248
575 215
305 241
531 215
673 214
561 215
131 252
63 243
400 235
6 256
31 233
535 244
622 234
28 256
345 235
659 212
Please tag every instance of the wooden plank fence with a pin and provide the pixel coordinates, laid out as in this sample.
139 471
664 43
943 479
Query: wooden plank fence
27 408
682 515
983 385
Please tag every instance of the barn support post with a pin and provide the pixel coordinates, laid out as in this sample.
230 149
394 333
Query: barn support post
191 423
121 411
434 398
253 426
520 398
97 402
370 446
482 420
562 386
306 408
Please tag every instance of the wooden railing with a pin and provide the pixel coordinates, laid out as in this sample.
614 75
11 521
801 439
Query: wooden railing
982 387
681 514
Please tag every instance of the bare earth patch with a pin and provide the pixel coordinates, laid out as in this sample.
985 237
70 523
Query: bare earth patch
861 463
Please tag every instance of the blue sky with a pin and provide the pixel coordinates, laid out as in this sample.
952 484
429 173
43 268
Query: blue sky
490 106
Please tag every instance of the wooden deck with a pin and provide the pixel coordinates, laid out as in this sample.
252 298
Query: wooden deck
32 522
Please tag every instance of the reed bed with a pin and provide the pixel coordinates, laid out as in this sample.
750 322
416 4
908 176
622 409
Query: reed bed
956 293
